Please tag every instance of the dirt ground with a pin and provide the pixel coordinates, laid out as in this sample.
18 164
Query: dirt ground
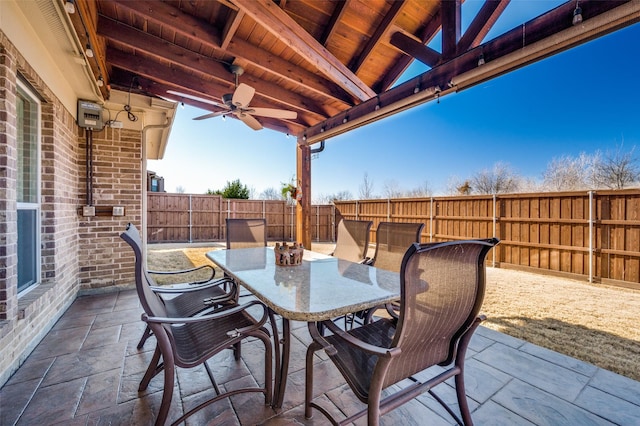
591 322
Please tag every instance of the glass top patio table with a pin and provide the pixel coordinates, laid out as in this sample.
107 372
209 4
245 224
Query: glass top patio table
321 288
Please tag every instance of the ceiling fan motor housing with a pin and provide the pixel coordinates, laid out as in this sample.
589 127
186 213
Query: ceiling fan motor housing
227 99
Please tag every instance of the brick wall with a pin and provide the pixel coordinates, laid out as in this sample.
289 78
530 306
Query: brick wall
117 177
78 254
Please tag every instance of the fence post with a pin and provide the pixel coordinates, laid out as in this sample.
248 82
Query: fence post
317 222
495 214
590 236
333 223
431 220
388 209
190 219
357 210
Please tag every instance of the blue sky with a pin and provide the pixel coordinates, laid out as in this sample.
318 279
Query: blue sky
582 100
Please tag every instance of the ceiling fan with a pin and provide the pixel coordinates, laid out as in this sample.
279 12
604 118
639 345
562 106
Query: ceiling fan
237 103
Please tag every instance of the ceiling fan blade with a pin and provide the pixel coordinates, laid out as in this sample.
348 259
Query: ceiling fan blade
196 98
274 113
243 95
210 115
249 120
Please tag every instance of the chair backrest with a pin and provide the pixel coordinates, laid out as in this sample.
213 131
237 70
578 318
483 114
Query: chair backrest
442 288
392 242
246 233
352 240
150 301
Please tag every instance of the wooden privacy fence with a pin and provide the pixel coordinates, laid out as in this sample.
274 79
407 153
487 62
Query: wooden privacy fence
591 234
194 218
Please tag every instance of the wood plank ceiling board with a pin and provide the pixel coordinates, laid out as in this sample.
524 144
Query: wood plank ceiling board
320 58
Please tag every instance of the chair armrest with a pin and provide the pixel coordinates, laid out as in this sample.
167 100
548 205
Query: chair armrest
219 313
353 341
185 271
319 338
167 289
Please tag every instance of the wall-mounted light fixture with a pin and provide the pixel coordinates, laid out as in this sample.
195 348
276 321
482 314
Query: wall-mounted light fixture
89 51
577 14
481 60
70 7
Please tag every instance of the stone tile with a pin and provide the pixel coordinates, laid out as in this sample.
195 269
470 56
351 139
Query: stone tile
14 399
615 384
60 342
140 412
30 370
136 363
84 364
58 402
132 331
127 299
609 406
325 378
117 318
250 406
94 304
253 355
499 337
102 337
73 322
100 391
560 359
494 414
447 393
482 380
542 408
295 416
218 413
559 381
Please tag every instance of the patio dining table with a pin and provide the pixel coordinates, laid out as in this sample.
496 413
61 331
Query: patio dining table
320 288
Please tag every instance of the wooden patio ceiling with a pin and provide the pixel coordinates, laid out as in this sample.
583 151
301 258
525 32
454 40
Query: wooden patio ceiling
333 62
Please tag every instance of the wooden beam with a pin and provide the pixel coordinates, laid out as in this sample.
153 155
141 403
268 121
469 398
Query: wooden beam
534 40
161 49
303 206
277 22
381 30
451 27
202 32
426 35
482 24
415 49
230 28
338 12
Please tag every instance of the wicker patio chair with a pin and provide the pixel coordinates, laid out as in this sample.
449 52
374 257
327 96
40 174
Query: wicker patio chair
246 233
188 342
189 298
352 240
442 287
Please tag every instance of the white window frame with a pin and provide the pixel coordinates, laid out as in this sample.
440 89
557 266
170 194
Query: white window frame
28 92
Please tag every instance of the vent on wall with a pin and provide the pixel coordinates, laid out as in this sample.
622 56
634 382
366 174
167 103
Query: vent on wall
90 115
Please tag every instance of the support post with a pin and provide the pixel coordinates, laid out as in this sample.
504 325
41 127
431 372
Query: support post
303 206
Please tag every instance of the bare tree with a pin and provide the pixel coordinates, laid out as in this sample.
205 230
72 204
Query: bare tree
338 196
454 183
422 190
180 189
465 188
616 169
366 188
271 194
392 189
498 180
568 173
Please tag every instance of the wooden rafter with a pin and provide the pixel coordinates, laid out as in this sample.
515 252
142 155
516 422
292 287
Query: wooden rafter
416 49
451 27
538 38
482 24
201 32
230 28
336 16
276 21
381 30
184 58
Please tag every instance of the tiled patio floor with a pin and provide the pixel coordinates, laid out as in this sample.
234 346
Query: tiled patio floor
86 372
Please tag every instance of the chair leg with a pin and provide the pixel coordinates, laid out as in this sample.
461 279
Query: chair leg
155 366
143 339
237 351
167 393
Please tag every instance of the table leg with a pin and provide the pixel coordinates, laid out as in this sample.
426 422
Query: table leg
281 354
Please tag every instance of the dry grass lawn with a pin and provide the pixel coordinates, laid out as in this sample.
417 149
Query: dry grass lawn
594 323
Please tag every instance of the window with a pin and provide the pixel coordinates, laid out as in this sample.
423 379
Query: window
28 188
